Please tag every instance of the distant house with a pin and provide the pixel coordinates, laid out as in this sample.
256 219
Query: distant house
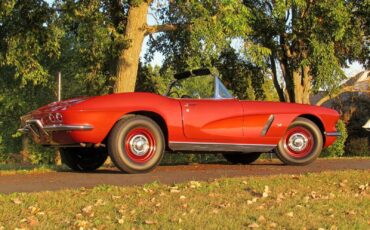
354 90
353 104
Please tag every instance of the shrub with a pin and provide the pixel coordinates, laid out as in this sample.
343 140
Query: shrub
358 147
338 148
41 155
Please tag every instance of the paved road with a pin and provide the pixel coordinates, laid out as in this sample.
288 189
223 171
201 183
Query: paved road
167 174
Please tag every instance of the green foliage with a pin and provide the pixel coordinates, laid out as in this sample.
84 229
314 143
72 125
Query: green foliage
321 36
89 47
338 148
29 40
41 155
205 29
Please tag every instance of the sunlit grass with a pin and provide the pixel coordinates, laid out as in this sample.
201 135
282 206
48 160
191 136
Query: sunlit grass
328 200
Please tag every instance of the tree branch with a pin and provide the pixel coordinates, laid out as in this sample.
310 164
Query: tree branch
162 28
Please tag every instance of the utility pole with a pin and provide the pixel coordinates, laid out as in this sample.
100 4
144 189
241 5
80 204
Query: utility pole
59 86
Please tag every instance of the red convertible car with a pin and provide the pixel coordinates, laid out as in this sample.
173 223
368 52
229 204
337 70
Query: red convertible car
197 114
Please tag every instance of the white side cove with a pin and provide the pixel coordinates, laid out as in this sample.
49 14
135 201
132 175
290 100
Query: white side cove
220 147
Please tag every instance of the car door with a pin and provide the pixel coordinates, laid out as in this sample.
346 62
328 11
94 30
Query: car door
212 119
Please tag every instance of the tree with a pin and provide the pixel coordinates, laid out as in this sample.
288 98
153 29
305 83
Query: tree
309 42
29 41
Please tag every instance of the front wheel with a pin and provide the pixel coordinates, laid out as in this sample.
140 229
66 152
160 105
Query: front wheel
83 159
241 158
136 144
301 144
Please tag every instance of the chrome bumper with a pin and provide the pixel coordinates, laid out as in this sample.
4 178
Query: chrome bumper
36 127
333 134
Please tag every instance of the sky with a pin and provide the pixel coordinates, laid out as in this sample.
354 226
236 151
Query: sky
158 58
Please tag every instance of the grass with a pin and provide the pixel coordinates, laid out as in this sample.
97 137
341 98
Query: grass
11 169
328 200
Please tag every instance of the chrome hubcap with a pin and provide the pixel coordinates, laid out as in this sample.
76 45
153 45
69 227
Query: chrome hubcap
297 142
139 145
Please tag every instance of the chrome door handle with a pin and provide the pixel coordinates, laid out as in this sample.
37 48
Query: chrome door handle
189 104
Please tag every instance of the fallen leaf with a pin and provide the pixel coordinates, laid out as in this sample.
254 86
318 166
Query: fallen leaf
32 209
260 207
158 205
99 202
41 214
87 209
295 177
116 197
261 219
150 222
17 201
23 220
351 212
182 197
194 184
333 227
33 221
253 225
290 214
120 221
273 225
215 211
174 191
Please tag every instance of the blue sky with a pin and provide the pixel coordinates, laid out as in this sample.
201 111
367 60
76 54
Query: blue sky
353 69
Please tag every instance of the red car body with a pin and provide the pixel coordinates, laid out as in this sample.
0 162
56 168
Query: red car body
229 121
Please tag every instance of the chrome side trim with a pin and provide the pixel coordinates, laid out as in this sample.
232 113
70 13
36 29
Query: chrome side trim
333 134
50 128
31 124
267 125
220 147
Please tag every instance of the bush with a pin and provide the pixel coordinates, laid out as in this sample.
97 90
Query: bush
338 148
358 147
41 155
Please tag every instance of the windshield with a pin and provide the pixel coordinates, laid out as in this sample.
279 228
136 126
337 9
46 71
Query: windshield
198 87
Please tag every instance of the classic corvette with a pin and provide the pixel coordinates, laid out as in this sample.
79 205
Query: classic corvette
196 114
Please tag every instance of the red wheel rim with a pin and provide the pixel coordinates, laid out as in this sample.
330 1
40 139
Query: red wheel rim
298 142
140 145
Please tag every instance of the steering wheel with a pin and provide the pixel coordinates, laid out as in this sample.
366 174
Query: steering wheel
177 95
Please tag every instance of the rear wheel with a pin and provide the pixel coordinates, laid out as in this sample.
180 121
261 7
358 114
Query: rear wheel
136 144
83 159
241 158
301 144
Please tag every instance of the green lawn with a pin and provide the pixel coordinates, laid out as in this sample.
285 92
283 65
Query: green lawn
329 200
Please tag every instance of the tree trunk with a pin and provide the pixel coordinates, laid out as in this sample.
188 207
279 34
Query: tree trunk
298 92
274 78
306 85
25 152
128 60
